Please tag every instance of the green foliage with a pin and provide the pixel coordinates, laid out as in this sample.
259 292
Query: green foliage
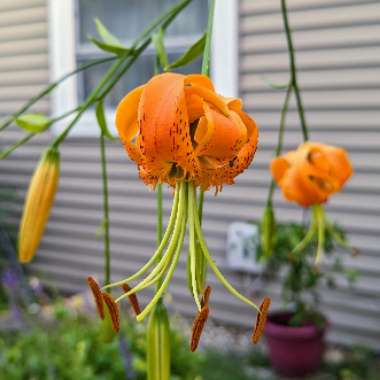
158 42
109 42
191 54
229 365
69 348
33 122
101 119
300 276
360 363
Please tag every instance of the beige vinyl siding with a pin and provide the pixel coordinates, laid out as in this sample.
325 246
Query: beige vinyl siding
339 62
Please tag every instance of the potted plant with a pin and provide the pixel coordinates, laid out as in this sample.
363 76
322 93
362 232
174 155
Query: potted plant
295 335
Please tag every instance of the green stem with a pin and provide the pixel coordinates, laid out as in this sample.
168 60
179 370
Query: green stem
91 98
207 50
157 253
182 190
29 136
168 277
206 71
192 245
5 153
106 220
310 234
280 141
211 262
50 88
159 232
178 247
293 71
319 214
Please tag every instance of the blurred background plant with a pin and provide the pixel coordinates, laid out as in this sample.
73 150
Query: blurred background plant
300 278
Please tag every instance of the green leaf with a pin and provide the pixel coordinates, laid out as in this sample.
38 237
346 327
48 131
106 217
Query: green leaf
100 117
158 42
118 50
33 122
109 42
275 86
191 54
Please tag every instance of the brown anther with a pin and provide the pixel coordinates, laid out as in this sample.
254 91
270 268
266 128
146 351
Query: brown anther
261 320
206 296
113 309
198 325
132 299
97 293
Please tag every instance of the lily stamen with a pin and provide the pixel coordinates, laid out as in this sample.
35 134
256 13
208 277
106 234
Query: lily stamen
261 320
113 310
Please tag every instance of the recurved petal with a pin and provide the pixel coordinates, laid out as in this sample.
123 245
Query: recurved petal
200 80
219 136
278 167
341 164
164 125
218 172
127 124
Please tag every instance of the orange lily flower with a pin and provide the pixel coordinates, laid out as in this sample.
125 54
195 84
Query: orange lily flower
179 131
310 174
177 126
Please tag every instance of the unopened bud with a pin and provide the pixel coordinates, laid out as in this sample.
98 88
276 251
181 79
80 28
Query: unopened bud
39 200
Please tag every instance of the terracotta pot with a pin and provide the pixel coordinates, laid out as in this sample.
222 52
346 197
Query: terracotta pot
293 351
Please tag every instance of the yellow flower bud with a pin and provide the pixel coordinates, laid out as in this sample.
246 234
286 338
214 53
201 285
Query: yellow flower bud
158 350
39 200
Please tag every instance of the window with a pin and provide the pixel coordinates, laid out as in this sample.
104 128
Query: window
127 19
72 21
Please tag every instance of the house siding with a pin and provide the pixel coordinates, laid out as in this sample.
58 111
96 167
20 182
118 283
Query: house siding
338 55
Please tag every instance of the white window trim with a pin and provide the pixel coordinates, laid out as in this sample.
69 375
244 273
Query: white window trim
62 45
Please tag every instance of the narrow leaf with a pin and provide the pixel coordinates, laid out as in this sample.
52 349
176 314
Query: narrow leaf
275 86
191 54
118 50
106 35
100 117
33 122
108 42
158 42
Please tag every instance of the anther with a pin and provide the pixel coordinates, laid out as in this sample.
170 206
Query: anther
132 299
113 309
97 293
261 320
198 326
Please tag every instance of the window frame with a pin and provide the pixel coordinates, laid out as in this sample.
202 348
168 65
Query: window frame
63 42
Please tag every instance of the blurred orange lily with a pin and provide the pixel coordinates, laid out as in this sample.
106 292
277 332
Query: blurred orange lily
310 174
177 127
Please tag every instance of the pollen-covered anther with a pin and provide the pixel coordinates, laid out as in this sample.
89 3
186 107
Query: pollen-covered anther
198 326
113 310
261 320
97 293
132 299
206 296
200 320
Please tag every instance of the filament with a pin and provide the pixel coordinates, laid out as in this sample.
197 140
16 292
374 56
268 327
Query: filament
211 262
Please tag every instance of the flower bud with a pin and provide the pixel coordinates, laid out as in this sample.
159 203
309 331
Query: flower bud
267 231
158 350
39 200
